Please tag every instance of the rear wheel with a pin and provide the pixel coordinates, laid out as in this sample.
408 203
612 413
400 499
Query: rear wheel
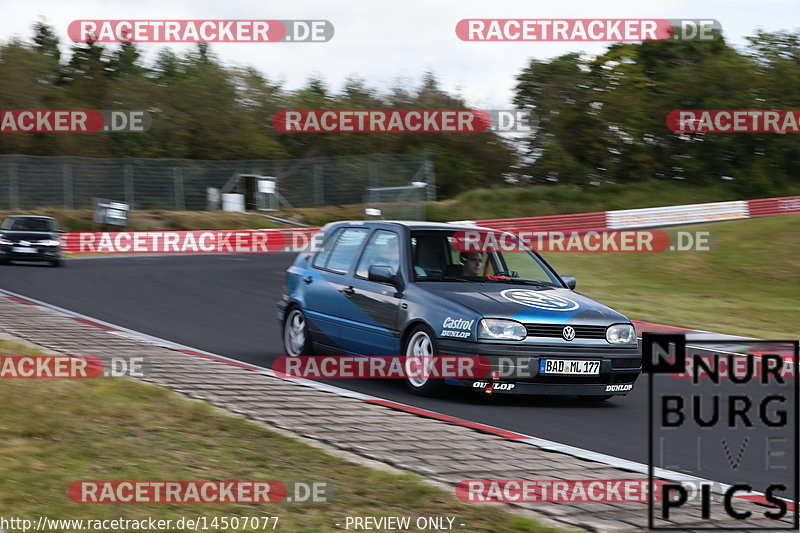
296 341
57 263
420 351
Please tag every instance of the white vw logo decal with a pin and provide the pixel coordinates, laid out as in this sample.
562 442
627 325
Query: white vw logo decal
568 333
540 300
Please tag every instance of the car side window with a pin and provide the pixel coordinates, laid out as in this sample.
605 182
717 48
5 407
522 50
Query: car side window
383 248
327 245
344 251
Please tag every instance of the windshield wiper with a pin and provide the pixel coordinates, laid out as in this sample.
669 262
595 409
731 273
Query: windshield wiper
521 281
442 278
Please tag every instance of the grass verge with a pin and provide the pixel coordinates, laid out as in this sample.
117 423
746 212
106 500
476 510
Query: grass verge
54 432
747 285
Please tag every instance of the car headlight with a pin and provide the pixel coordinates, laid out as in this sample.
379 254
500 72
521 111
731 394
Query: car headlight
48 243
502 330
621 334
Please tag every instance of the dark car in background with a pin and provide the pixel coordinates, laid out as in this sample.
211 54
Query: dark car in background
404 288
30 238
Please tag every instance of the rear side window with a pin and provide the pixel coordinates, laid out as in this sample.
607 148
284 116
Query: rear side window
327 245
343 253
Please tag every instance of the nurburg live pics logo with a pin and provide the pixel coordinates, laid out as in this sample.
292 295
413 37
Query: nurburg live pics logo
739 430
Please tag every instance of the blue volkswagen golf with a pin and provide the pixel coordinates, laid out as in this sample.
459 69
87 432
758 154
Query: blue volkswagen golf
405 288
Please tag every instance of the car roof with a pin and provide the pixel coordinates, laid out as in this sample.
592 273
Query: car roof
31 216
410 224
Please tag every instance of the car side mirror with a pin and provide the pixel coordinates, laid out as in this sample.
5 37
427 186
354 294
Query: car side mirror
59 230
570 281
384 274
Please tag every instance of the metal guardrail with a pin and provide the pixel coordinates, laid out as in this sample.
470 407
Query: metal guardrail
650 217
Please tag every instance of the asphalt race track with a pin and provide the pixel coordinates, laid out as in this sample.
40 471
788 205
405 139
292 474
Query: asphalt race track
226 304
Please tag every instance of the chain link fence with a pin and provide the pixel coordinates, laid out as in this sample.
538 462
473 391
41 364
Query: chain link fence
29 182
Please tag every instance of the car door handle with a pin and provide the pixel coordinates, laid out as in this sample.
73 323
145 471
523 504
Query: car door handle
308 279
348 291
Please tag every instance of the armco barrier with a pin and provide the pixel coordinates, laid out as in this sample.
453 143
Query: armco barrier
770 207
650 217
676 214
548 223
627 218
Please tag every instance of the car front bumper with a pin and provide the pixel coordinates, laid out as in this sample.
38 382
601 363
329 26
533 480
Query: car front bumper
280 310
518 365
36 253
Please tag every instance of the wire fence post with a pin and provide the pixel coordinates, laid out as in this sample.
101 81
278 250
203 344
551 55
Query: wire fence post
127 172
372 174
430 179
319 186
13 185
177 178
66 173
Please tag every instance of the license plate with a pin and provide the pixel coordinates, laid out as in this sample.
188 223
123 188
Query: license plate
23 250
569 366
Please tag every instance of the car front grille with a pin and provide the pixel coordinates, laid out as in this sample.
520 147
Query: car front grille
555 330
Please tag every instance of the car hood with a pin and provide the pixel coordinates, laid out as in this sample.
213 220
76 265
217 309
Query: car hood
527 303
32 236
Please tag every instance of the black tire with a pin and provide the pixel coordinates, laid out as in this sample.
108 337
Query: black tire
596 398
57 263
419 337
295 318
3 261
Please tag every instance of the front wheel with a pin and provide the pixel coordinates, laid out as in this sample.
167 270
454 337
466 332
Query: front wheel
420 351
296 341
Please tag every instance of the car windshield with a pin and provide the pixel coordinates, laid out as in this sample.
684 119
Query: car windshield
448 256
27 224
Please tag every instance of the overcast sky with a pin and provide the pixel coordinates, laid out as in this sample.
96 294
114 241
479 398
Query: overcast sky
382 41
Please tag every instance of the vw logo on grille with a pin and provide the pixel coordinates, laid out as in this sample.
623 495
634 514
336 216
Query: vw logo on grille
539 300
568 333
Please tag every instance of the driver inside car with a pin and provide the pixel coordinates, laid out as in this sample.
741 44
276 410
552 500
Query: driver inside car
472 262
